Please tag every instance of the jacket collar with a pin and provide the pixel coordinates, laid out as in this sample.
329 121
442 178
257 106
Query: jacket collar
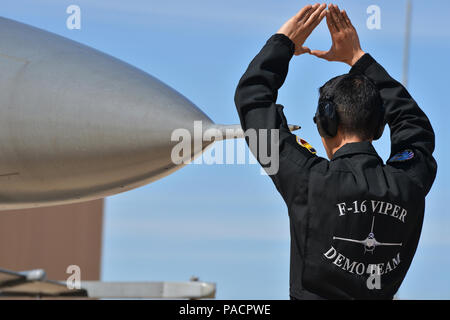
364 147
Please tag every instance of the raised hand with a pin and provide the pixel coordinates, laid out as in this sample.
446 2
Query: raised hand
300 26
345 41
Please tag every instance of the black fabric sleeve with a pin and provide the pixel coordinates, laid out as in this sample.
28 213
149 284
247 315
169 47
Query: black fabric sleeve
410 127
255 100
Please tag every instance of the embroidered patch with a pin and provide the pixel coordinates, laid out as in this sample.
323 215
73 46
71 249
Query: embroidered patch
404 155
306 145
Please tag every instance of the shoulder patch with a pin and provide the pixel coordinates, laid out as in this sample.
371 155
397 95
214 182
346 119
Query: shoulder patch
306 145
402 156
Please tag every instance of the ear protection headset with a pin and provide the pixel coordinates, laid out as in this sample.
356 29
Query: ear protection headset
327 118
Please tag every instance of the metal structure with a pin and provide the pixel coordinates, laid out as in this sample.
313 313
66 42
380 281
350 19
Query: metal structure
407 43
150 290
34 284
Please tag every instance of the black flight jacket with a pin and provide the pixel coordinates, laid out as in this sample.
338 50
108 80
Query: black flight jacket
355 221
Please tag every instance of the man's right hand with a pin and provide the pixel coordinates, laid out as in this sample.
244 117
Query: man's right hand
345 41
300 26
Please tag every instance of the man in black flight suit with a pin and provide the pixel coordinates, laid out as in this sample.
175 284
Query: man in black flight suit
355 222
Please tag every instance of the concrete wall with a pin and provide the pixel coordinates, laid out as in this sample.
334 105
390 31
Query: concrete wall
53 238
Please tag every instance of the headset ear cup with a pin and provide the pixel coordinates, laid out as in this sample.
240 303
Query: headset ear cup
318 121
327 118
333 120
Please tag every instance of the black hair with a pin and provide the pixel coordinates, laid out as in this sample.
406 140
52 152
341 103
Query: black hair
358 104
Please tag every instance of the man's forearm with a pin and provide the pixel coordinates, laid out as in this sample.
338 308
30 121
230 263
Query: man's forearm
257 91
255 100
409 125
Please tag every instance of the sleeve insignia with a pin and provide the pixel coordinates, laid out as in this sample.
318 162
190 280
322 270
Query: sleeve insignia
402 156
306 145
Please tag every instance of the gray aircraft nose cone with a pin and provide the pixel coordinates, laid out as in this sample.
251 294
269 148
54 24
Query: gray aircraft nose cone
78 124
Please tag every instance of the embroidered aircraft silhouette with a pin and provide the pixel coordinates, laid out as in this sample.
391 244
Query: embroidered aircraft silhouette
370 243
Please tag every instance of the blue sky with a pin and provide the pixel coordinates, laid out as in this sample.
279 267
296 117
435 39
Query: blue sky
226 223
